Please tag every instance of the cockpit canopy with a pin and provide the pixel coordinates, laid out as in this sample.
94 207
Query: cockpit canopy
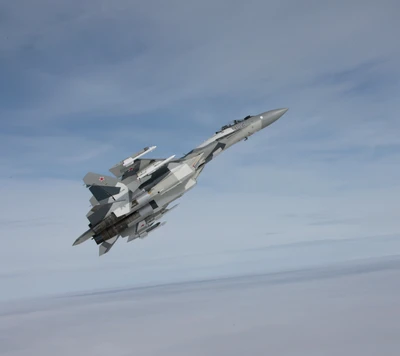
233 123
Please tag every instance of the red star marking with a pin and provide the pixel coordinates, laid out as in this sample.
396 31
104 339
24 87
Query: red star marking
101 179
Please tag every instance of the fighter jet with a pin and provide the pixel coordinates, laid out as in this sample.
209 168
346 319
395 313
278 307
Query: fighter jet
130 204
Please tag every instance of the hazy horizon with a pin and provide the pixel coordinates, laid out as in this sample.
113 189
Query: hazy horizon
350 308
85 84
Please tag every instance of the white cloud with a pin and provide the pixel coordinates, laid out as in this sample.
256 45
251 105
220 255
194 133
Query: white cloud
322 310
206 235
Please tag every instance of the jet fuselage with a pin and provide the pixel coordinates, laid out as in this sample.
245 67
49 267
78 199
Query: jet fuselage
129 205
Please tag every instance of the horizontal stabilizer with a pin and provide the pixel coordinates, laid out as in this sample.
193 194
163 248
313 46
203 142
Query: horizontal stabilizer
103 192
107 245
84 237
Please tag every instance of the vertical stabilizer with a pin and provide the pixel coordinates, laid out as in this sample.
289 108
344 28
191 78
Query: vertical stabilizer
107 245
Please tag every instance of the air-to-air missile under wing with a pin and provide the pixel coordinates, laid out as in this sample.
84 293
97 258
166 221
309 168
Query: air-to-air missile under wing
129 204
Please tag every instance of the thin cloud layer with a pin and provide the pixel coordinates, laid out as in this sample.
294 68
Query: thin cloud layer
347 310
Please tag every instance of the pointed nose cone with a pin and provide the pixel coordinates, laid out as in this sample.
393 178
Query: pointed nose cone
267 118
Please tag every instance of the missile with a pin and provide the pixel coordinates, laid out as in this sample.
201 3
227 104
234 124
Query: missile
169 209
151 228
130 160
153 167
160 214
143 233
121 167
155 226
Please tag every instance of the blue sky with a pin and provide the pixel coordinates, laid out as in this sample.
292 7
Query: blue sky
85 84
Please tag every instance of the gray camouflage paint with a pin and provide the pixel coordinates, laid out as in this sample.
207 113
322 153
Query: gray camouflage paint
120 204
